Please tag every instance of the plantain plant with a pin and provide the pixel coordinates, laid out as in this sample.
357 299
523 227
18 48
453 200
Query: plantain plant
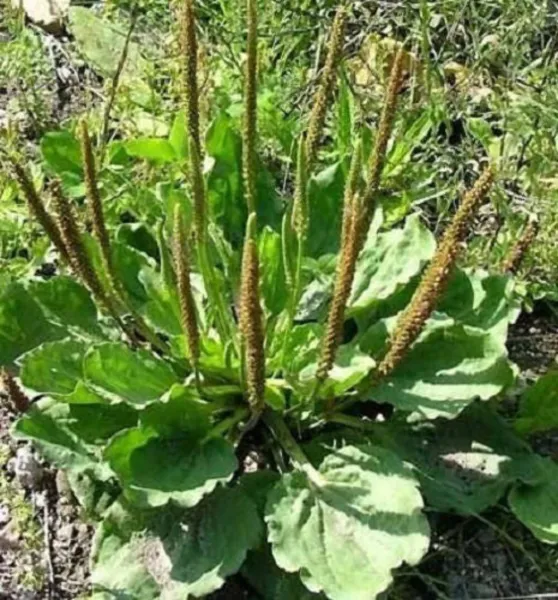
217 420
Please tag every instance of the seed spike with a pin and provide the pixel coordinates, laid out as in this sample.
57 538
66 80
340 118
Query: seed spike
93 197
346 268
327 83
433 282
251 320
38 210
383 135
70 233
351 190
17 398
79 261
250 116
513 260
189 47
300 213
181 256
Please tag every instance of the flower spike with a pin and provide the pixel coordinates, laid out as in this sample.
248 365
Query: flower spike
39 211
513 260
383 135
433 282
181 256
189 47
321 99
251 320
250 116
93 196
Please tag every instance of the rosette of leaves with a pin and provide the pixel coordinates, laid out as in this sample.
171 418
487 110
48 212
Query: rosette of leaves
162 352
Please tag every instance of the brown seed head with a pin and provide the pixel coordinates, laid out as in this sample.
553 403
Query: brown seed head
250 115
39 211
327 83
300 214
188 314
435 278
189 47
345 274
251 319
378 156
79 260
93 196
513 260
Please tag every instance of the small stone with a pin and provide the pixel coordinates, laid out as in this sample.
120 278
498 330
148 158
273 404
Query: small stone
63 485
64 534
4 514
9 537
48 14
28 471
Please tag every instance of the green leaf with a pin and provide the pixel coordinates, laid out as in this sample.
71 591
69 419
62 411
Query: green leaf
57 444
153 149
388 262
346 527
448 367
271 583
104 49
187 554
178 137
230 521
536 506
303 354
224 184
181 413
128 264
325 196
61 152
481 300
464 465
96 423
272 280
23 325
54 367
162 308
118 373
66 303
538 407
140 237
120 573
155 471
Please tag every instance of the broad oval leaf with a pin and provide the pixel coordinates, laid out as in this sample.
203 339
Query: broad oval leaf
346 527
23 325
538 408
448 367
180 555
536 506
58 444
118 373
155 471
388 262
66 303
54 367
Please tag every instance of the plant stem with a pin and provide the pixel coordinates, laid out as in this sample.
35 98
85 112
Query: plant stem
228 423
353 422
294 299
286 440
224 321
